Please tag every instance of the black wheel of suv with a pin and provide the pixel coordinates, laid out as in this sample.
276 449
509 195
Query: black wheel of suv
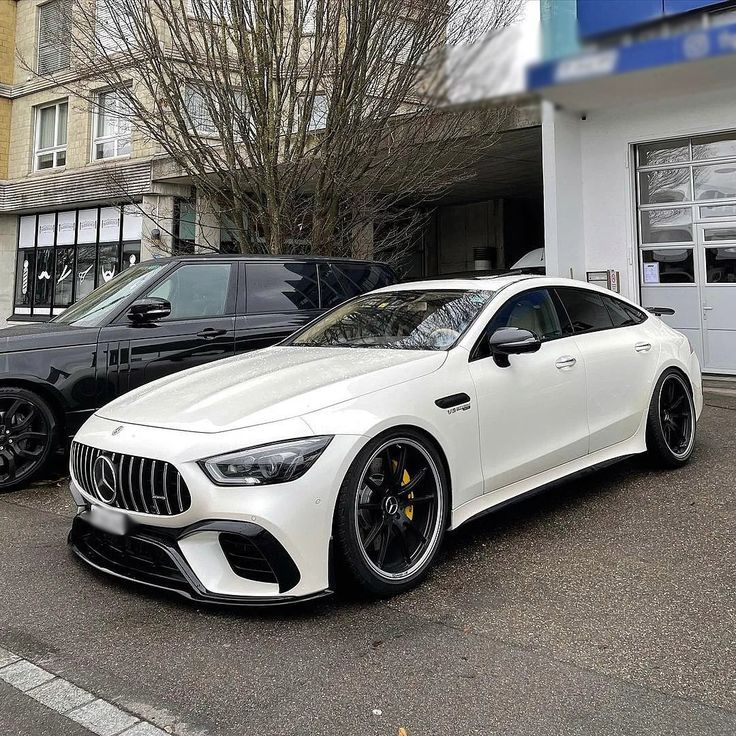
26 436
671 421
391 513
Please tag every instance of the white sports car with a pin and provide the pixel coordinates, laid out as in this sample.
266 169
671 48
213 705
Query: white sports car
348 450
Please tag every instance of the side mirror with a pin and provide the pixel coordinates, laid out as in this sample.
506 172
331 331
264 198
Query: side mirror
149 309
512 341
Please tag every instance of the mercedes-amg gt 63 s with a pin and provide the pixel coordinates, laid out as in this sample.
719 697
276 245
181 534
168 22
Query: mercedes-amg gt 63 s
348 450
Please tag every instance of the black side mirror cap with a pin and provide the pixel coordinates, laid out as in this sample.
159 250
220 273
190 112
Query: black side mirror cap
149 309
512 341
659 311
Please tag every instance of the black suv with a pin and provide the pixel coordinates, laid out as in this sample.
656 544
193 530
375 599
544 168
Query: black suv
154 319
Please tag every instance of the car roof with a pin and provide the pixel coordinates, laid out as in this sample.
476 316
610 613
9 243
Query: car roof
497 283
197 257
473 283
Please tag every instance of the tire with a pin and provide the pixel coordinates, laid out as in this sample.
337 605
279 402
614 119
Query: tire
27 436
389 526
671 421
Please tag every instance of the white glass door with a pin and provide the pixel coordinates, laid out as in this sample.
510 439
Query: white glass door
717 249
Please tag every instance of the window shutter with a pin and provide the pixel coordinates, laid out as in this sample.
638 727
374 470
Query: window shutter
54 40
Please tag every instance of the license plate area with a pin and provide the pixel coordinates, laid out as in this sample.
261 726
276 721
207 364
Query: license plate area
107 520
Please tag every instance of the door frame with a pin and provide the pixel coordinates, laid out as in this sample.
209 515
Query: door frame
701 245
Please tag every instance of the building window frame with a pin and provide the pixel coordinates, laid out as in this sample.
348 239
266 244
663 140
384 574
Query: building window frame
120 138
57 151
54 53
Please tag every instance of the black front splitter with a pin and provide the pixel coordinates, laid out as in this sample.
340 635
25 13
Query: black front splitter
183 580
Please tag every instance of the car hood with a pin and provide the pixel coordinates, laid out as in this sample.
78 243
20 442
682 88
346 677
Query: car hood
38 335
267 386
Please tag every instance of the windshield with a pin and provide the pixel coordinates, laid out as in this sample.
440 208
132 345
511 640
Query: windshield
97 306
400 320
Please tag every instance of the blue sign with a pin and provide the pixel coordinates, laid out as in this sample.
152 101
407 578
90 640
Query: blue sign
597 17
646 55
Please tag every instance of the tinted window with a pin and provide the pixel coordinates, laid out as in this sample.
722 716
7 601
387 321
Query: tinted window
533 310
586 310
622 314
281 287
196 290
341 281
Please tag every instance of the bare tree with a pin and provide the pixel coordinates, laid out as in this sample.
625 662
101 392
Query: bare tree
306 125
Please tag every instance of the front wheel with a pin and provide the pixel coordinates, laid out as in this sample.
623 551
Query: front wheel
26 436
391 513
671 421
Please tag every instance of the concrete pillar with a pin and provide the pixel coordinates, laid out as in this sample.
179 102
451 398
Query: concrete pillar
8 255
563 193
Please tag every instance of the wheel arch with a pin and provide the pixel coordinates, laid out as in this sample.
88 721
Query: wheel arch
49 394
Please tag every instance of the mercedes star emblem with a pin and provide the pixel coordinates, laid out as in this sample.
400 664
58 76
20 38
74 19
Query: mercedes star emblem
104 479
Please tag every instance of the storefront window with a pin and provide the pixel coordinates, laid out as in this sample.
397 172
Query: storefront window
667 185
664 153
668 266
717 181
720 265
63 256
667 225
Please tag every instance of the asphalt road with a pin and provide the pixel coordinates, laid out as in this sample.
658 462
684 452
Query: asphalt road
605 606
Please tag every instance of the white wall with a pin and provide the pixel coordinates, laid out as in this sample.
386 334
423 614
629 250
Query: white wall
589 202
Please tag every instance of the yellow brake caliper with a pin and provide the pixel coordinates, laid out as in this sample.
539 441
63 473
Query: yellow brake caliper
409 510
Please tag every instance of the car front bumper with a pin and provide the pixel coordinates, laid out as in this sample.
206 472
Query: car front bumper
151 556
241 545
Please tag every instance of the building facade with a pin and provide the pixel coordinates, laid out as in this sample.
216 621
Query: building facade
78 197
82 196
639 154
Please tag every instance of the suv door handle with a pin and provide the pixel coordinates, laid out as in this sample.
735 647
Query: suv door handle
643 347
566 361
210 333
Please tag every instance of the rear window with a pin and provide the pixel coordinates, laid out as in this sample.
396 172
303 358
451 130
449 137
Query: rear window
586 310
623 314
341 281
281 287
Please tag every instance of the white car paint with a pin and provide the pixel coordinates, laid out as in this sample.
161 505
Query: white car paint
525 426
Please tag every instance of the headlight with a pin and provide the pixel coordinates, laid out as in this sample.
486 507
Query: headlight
275 463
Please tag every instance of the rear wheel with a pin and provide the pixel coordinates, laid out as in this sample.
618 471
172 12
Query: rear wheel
26 436
671 421
391 513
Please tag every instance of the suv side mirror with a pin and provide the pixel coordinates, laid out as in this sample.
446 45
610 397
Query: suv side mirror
511 341
149 309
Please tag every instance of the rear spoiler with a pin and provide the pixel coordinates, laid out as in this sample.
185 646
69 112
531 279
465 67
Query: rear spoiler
659 311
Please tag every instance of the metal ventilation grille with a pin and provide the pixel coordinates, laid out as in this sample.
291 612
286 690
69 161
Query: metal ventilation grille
134 483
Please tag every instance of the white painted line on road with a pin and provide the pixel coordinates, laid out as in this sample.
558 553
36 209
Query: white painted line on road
95 714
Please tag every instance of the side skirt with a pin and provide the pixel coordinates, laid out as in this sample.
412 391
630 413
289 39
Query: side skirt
544 481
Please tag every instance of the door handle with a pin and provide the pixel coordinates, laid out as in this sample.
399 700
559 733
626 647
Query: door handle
707 309
643 347
210 333
566 361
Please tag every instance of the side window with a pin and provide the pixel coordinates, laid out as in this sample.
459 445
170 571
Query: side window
341 281
196 290
281 287
622 314
586 310
533 310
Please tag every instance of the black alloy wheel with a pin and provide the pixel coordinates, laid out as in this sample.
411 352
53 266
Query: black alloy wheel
26 436
391 513
671 422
